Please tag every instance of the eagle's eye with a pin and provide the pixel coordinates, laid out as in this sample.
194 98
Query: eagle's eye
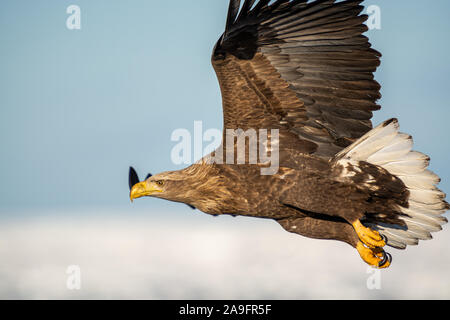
160 182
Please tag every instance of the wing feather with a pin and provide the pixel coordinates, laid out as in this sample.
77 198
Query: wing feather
301 66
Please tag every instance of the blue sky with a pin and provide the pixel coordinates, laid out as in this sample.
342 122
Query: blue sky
79 106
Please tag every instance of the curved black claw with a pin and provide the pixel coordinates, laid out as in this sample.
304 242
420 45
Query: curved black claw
386 258
385 239
389 257
383 262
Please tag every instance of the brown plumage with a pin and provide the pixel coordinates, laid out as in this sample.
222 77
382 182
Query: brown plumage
305 69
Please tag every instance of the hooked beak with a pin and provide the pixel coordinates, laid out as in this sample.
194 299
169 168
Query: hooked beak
143 189
139 189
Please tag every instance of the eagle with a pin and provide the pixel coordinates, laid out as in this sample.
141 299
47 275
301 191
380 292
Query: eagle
301 73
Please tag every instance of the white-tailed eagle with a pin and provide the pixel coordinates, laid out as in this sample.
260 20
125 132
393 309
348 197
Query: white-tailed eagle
305 69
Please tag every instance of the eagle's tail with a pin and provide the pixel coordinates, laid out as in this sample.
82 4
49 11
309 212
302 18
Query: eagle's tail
386 147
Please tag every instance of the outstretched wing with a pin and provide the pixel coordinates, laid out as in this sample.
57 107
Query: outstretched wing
302 67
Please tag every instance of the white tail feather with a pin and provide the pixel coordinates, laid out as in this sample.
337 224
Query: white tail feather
386 147
424 180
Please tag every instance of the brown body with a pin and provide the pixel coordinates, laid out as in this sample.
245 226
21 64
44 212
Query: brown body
307 192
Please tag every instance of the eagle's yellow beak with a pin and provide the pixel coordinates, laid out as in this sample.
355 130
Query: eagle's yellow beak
143 189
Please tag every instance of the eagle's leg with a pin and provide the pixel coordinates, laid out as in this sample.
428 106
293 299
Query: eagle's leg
369 237
321 229
337 230
375 257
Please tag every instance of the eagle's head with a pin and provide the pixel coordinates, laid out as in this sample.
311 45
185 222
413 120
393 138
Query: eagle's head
198 186
164 185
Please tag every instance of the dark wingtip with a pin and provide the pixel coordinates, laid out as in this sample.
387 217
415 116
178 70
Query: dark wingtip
233 11
132 178
148 176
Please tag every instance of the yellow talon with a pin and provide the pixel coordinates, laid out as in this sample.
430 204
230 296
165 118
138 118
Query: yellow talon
369 237
376 258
